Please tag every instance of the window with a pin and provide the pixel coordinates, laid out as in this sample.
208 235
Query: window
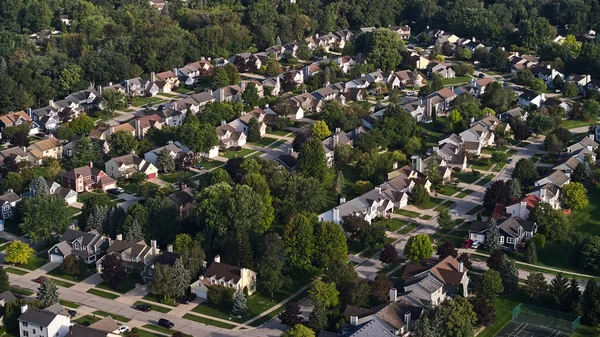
501 239
25 324
510 240
25 333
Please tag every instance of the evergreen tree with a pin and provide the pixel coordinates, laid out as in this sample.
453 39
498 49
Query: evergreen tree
311 159
180 280
291 316
531 253
590 303
161 277
510 275
133 232
4 284
39 186
582 174
444 219
573 297
338 186
559 290
239 249
47 293
317 320
164 161
515 189
253 130
492 237
240 304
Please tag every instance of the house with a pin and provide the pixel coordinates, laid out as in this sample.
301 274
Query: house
13 155
305 101
229 136
143 124
288 161
491 122
239 278
231 93
476 138
480 84
47 148
557 178
580 80
192 72
521 207
86 179
65 19
103 132
175 149
585 143
518 112
403 31
338 138
125 166
345 62
70 147
528 97
415 60
168 77
548 193
78 330
310 70
520 62
440 100
452 156
67 194
397 318
554 102
171 117
87 246
434 282
167 258
139 87
9 201
88 99
421 164
246 62
272 85
135 256
243 123
43 323
183 200
18 118
442 69
570 163
513 231
406 77
193 103
547 74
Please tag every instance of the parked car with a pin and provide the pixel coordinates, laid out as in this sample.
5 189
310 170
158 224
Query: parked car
199 167
509 160
410 93
187 298
72 313
123 329
116 191
39 279
143 307
467 243
476 244
165 323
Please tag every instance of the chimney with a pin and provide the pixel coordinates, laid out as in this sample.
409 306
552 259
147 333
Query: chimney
338 130
119 237
28 112
335 139
354 320
436 149
472 119
290 150
91 164
99 89
395 165
152 77
24 308
378 189
223 122
24 149
217 259
170 248
542 194
407 320
548 66
154 247
342 200
461 266
10 190
336 215
393 294
51 103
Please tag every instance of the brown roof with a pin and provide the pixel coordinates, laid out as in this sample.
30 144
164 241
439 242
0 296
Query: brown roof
46 144
393 313
182 197
128 159
223 270
11 118
165 75
446 93
447 271
148 121
124 127
107 324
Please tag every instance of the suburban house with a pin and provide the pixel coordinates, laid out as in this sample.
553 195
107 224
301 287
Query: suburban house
143 124
47 148
528 97
193 103
548 193
18 118
557 178
171 117
135 256
183 200
125 166
476 138
491 123
422 163
403 31
547 74
415 61
518 112
338 138
435 281
70 147
175 150
440 100
246 62
9 201
43 322
231 93
229 136
103 132
288 161
243 123
87 178
85 246
580 80
585 143
442 69
140 87
13 154
241 279
554 102
306 102
480 84
513 231
106 327
167 258
273 84
523 206
67 194
397 318
194 71
520 62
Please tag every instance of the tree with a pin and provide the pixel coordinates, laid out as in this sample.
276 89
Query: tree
383 49
525 172
180 280
459 317
14 181
537 84
590 110
165 162
330 243
317 320
582 174
558 81
71 265
39 186
47 293
497 192
536 286
484 311
199 137
381 287
551 222
253 130
250 96
133 231
371 236
82 125
299 241
122 143
113 100
18 252
495 259
446 249
531 253
559 290
240 304
431 323
389 254
299 330
489 285
570 89
65 132
444 219
509 274
418 247
590 303
19 138
4 283
292 315
303 52
573 298
492 238
419 195
44 215
320 130
514 189
311 159
353 224
574 196
465 258
85 152
270 264
113 271
324 294
221 296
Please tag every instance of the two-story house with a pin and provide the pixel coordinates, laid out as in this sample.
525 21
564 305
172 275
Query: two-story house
87 178
14 155
183 200
548 193
171 116
67 194
528 97
441 69
521 207
47 148
229 136
517 113
8 202
135 256
34 322
143 124
337 138
239 278
231 93
86 246
103 132
397 318
242 124
125 166
18 118
547 74
167 258
513 231
175 149
558 178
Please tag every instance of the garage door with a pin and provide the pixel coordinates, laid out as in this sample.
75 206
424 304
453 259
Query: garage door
56 258
152 176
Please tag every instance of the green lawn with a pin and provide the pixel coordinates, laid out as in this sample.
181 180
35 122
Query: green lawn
35 263
73 210
373 250
123 288
266 318
15 271
115 317
210 164
139 101
257 303
463 193
183 90
158 299
264 142
466 177
504 306
475 209
101 293
481 167
282 133
69 304
277 144
87 320
409 214
83 274
173 177
571 124
511 152
20 291
485 180
499 167
130 188
155 307
169 95
455 81
407 229
445 205
208 321
232 154
61 282
393 225
449 190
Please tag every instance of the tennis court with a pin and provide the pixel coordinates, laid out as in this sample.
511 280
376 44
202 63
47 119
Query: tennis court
531 321
516 329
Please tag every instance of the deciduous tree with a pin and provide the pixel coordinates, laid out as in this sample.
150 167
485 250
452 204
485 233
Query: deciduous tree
113 271
44 215
381 287
324 294
122 143
47 293
459 317
18 252
574 195
446 248
311 159
444 219
418 247
389 254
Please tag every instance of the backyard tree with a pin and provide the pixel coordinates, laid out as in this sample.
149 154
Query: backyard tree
299 330
582 174
122 143
199 137
44 215
444 219
164 161
82 125
552 223
381 287
320 130
418 247
489 285
113 100
317 319
514 189
250 96
384 49
419 195
270 264
531 253
311 159
47 293
497 192
569 89
39 186
459 317
353 224
525 172
492 237
574 196
446 248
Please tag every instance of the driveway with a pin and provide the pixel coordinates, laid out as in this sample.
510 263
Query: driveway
128 200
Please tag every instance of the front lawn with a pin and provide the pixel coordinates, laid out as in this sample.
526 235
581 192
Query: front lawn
173 177
161 329
210 164
499 167
393 225
455 81
409 214
475 209
571 124
183 90
466 177
463 193
449 190
34 263
20 291
87 320
208 321
282 133
264 142
15 271
61 282
115 317
257 304
69 304
155 307
370 252
158 299
444 205
425 217
123 288
232 154
101 293
485 180
83 274
139 101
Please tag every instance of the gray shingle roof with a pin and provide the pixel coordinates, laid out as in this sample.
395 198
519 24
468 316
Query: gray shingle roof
38 316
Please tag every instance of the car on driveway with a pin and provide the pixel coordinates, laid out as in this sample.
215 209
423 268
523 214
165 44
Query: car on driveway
123 329
509 160
165 323
72 313
467 243
476 244
115 191
39 279
186 299
143 307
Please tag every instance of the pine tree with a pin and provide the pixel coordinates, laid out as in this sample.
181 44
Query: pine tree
240 304
253 130
133 232
531 253
339 182
180 280
39 186
559 290
239 249
515 190
97 219
164 161
492 238
510 275
4 283
161 277
47 293
291 315
590 303
573 297
317 320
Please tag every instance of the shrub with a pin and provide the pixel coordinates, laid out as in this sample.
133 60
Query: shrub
539 240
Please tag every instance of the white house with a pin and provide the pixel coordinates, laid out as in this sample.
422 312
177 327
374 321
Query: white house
129 164
35 322
175 149
528 97
239 278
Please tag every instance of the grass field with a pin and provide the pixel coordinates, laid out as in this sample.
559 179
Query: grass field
445 205
87 320
449 190
35 263
139 101
208 321
123 288
279 132
466 177
15 271
393 225
425 217
455 81
69 304
116 317
463 193
61 282
485 180
407 229
264 142
210 164
21 291
233 154
409 214
101 293
83 274
155 307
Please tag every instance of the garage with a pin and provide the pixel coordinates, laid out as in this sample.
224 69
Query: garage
152 176
56 258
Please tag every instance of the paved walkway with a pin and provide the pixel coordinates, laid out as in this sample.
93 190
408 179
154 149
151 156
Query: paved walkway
88 283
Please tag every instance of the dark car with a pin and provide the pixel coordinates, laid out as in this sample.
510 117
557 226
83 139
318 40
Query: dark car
187 299
481 75
39 279
165 323
115 191
143 307
72 313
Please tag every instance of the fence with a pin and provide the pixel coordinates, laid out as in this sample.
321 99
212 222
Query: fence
563 321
